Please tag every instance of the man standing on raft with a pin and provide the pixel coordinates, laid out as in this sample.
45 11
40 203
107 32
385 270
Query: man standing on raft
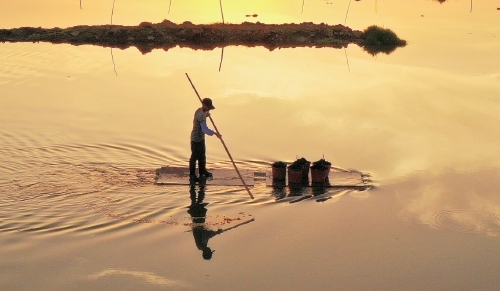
198 151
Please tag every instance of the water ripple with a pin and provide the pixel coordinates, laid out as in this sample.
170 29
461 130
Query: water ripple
470 221
51 188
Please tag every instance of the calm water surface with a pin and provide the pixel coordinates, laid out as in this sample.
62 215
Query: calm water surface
83 128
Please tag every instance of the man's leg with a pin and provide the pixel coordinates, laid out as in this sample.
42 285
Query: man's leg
202 161
197 154
192 160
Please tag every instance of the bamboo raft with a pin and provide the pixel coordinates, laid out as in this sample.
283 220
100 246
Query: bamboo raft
228 177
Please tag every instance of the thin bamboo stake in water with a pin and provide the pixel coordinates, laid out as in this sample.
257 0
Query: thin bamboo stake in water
302 6
223 143
112 11
169 6
345 21
221 12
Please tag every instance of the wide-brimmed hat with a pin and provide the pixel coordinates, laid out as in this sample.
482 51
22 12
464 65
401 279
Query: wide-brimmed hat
208 103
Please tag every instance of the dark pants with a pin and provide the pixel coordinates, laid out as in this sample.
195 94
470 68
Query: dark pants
197 154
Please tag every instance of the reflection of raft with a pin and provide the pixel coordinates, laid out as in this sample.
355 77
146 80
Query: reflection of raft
229 177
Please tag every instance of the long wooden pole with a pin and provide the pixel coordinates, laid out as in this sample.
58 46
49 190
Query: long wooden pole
223 143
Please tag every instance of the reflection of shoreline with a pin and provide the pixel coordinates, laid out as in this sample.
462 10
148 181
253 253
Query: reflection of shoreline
166 35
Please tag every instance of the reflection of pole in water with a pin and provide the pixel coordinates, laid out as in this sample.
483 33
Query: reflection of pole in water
112 11
345 21
221 12
376 6
303 6
113 60
80 4
238 225
169 5
347 59
221 58
471 6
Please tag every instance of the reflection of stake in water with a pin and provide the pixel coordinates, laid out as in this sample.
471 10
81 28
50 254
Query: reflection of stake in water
221 58
345 51
113 60
169 5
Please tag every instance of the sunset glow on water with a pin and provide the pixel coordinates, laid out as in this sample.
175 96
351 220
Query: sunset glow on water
83 129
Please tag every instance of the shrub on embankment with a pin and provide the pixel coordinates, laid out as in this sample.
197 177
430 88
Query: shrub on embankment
377 39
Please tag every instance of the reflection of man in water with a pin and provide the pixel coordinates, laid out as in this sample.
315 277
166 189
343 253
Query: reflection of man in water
198 213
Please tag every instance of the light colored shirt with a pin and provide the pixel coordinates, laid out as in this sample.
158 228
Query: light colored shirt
200 127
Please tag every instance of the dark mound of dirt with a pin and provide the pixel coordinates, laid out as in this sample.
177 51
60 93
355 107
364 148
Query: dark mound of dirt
165 35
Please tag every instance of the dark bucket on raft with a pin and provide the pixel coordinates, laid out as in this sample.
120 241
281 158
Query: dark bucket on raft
320 171
298 172
305 171
279 171
294 176
318 175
